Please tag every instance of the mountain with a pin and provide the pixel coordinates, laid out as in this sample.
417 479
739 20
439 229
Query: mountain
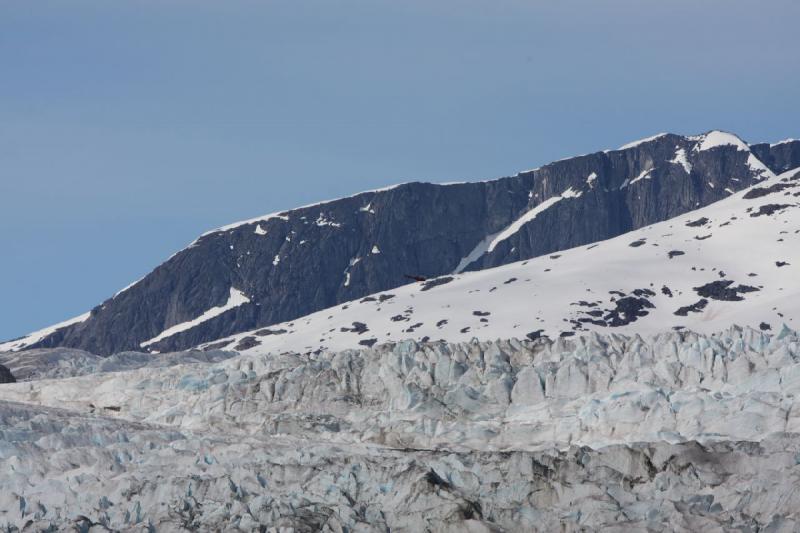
283 266
736 261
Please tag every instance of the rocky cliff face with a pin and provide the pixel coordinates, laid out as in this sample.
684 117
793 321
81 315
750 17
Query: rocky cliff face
287 265
781 156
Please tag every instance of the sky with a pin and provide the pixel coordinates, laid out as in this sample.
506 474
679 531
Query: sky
128 128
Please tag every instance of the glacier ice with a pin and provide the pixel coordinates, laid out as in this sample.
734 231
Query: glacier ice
677 431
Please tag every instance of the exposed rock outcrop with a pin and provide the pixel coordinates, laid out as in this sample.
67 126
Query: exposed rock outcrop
6 376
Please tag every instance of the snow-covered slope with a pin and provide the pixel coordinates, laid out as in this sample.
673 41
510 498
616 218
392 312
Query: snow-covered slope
36 336
734 262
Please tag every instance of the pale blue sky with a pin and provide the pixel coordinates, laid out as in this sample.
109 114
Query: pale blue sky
127 128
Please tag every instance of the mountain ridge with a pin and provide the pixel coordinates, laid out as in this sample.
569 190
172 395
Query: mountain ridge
295 262
732 262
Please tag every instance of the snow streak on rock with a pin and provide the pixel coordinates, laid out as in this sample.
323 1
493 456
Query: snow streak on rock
235 299
634 144
33 338
490 242
682 160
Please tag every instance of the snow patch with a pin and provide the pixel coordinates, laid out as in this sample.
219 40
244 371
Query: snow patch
36 336
235 299
375 250
758 168
681 159
716 138
126 288
634 144
489 243
235 225
644 175
785 141
529 171
280 215
590 179
530 215
322 220
260 231
353 262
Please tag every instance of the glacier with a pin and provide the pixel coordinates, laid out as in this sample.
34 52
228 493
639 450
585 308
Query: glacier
679 430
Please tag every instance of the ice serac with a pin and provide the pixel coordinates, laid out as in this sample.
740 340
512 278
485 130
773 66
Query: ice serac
58 363
594 390
677 431
216 483
296 262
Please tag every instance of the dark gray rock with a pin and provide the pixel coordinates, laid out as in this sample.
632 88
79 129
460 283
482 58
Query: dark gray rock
696 307
428 285
760 192
327 252
769 209
697 223
6 376
724 290
247 343
778 157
